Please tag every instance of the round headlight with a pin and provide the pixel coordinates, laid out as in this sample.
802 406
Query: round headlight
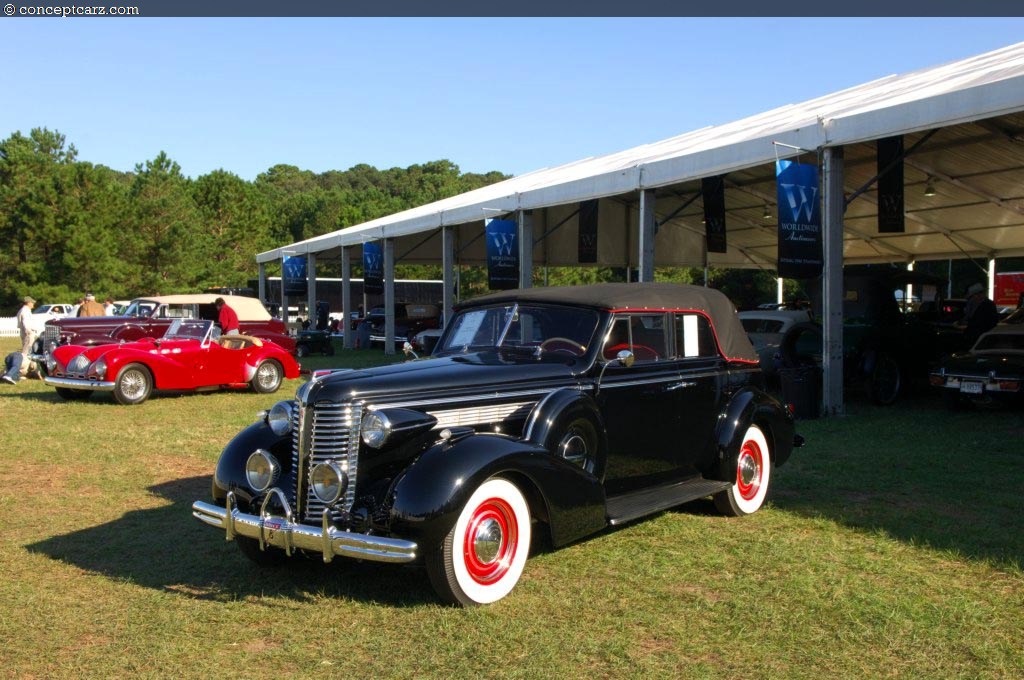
79 364
52 364
261 470
328 482
376 427
99 368
280 418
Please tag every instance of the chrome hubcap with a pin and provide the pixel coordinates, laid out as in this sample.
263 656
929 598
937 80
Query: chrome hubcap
487 541
748 470
133 384
574 449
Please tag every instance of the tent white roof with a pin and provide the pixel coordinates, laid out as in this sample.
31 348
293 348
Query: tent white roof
973 110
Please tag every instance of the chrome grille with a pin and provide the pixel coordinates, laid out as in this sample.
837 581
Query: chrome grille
333 435
51 334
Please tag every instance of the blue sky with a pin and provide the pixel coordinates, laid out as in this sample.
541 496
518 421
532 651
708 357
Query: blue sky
488 94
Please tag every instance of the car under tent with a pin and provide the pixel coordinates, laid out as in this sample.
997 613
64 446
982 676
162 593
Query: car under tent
962 130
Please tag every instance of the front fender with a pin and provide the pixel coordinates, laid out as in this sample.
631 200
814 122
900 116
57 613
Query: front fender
752 406
230 473
428 498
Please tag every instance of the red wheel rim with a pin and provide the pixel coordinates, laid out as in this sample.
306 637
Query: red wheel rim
494 518
749 470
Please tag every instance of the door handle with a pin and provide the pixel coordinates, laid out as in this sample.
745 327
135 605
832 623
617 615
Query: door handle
679 385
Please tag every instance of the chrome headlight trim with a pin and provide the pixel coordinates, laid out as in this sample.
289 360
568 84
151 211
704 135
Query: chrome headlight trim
261 470
279 417
376 428
328 482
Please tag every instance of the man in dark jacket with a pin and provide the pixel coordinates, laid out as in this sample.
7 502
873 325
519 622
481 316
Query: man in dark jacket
980 315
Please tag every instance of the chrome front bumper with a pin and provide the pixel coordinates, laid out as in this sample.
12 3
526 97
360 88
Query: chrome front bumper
284 533
79 384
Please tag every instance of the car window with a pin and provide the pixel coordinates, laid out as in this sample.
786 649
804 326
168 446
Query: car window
761 325
541 329
642 334
178 312
1000 341
694 336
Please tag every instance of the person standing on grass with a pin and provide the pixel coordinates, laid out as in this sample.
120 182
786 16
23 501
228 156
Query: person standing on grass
28 336
226 317
90 307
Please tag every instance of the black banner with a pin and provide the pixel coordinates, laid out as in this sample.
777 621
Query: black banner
713 191
800 251
373 269
294 276
890 185
586 251
502 254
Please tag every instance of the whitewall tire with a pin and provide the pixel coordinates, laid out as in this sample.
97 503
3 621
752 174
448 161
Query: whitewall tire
481 559
753 469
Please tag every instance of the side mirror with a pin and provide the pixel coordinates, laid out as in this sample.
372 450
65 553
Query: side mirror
625 357
407 349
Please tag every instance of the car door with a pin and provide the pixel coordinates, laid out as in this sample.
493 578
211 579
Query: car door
640 404
699 394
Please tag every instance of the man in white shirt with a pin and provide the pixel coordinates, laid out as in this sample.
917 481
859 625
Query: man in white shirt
28 332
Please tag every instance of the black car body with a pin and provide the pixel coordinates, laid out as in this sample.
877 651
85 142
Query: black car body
557 409
991 372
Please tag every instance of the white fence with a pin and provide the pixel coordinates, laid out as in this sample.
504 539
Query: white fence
8 326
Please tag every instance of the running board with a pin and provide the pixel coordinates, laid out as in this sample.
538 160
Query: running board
630 506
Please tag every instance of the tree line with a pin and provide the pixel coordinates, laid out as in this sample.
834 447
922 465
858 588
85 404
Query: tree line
68 226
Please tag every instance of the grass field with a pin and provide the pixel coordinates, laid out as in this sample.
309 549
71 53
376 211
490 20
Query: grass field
892 547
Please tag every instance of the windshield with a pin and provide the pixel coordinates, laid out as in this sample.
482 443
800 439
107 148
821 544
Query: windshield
189 329
140 308
1005 342
536 330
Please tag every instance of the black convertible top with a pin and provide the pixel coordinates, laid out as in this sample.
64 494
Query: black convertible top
667 297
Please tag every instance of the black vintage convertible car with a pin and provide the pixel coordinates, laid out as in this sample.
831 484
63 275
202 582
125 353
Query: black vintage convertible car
555 410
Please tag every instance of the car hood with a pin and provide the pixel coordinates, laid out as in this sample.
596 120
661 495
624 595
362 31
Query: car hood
448 377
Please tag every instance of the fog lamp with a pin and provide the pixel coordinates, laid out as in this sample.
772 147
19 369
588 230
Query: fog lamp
328 482
261 470
280 418
376 428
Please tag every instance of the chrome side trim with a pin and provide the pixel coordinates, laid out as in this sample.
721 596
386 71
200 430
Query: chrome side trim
481 396
79 384
279 532
478 415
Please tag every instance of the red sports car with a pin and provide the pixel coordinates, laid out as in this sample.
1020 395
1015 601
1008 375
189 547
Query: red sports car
188 357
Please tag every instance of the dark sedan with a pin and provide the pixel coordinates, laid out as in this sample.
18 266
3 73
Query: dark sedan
991 372
554 410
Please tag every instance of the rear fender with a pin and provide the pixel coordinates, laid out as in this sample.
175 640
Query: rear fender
751 406
428 497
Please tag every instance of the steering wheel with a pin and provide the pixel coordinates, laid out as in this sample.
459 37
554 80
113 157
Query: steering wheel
559 344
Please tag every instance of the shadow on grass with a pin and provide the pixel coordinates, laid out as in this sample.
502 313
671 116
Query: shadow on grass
916 472
165 548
